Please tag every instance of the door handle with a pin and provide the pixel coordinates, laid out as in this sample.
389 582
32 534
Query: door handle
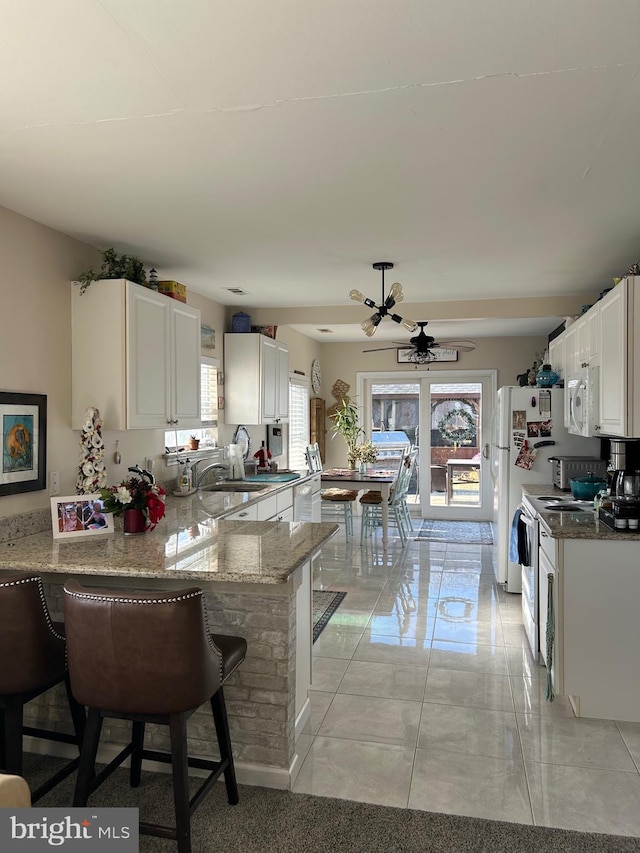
485 451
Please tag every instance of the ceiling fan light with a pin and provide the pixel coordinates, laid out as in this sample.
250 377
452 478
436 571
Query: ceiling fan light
369 326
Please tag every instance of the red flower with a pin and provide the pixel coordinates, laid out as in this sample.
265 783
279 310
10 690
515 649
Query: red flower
155 505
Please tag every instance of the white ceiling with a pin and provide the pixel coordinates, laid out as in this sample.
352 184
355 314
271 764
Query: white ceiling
491 150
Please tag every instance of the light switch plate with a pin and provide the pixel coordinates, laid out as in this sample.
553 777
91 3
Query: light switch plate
54 483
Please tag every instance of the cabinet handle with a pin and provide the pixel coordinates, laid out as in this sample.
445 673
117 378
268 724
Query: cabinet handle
596 428
242 514
279 518
542 533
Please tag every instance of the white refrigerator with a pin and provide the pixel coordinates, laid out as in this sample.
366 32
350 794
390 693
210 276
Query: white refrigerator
526 414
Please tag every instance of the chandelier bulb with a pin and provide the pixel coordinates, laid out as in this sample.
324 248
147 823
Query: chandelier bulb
356 296
370 325
409 325
396 292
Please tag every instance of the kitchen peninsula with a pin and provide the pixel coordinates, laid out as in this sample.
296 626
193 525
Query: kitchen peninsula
595 588
257 579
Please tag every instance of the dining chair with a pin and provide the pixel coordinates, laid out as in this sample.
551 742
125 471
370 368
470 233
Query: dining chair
399 515
335 503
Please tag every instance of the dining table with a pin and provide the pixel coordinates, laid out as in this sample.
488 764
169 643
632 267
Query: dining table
349 478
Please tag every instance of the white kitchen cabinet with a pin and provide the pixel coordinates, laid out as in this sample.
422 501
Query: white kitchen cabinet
149 377
557 355
620 360
596 590
256 379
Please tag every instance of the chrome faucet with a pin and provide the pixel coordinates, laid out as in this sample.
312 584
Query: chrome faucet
198 476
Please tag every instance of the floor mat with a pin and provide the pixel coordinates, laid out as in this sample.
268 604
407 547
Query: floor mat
467 532
325 604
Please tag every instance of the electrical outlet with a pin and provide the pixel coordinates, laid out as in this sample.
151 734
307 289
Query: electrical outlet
54 483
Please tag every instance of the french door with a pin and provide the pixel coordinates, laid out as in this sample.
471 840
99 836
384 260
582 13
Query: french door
448 415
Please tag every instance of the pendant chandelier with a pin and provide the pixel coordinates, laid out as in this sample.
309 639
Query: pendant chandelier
386 304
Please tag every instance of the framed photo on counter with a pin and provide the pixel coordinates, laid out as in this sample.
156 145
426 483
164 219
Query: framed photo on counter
23 432
79 515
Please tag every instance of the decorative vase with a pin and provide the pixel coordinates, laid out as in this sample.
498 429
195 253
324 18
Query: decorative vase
133 522
546 377
362 468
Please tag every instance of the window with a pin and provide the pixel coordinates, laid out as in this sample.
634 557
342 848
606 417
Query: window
298 421
208 434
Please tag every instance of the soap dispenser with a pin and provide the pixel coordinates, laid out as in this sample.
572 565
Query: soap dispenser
186 478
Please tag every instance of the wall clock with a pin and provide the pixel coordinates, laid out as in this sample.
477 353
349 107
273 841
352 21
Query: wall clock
316 376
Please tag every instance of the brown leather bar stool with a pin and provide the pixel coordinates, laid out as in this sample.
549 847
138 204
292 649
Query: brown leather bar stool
32 651
149 658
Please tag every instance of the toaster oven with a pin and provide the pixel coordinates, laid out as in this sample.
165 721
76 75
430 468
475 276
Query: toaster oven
565 468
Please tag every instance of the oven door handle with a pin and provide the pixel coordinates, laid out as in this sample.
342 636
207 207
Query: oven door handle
525 517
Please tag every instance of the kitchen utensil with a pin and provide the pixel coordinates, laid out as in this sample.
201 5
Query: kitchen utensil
586 488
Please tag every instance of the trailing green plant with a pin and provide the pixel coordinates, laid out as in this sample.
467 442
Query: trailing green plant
114 266
346 424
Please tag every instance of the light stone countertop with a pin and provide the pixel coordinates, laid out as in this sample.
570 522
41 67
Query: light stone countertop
574 525
192 542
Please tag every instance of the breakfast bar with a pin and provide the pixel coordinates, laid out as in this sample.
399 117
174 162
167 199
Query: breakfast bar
257 579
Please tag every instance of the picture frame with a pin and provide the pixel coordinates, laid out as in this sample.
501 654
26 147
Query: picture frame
23 442
73 516
404 355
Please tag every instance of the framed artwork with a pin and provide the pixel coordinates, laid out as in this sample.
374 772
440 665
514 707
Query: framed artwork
79 515
404 355
23 430
207 337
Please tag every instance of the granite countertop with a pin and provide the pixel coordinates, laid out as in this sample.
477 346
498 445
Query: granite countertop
192 542
574 525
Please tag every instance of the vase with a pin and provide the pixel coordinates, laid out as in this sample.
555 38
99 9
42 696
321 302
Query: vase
133 522
362 468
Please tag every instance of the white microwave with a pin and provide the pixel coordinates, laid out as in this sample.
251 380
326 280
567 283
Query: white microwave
582 390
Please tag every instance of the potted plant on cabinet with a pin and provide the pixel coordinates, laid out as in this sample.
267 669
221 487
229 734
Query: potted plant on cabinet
114 266
194 443
345 423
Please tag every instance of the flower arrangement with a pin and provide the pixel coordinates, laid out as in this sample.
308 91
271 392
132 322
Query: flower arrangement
92 474
366 452
135 493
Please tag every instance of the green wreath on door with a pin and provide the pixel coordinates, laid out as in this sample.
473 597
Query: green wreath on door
457 434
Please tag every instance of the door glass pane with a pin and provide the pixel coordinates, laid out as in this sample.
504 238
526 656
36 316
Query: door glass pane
395 412
455 412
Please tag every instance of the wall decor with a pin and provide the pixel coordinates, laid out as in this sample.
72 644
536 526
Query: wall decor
207 337
23 431
79 515
404 355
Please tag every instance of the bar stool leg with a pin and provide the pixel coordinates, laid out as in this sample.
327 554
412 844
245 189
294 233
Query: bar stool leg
219 709
88 752
137 744
12 720
78 714
180 766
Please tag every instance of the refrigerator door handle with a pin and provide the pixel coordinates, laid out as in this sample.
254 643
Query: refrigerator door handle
485 451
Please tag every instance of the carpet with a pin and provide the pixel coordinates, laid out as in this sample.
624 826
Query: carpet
267 820
325 604
466 532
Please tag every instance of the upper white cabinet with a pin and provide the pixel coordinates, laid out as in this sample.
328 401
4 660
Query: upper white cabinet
256 379
620 360
148 375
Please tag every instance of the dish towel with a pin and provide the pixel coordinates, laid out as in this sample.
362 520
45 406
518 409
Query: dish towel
551 632
513 541
519 541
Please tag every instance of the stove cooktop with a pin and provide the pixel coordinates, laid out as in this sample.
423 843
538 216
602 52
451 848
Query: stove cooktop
557 503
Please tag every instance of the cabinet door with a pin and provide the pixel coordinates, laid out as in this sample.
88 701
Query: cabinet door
185 364
269 368
613 362
570 356
282 392
593 336
148 358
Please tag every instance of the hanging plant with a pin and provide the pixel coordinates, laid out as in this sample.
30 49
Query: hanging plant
458 426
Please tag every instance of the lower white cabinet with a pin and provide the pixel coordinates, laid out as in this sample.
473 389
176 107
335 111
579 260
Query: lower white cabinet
277 506
597 633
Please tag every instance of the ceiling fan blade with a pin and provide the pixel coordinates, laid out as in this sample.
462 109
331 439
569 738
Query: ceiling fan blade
461 346
378 349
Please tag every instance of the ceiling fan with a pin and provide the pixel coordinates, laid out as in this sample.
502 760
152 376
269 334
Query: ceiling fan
425 347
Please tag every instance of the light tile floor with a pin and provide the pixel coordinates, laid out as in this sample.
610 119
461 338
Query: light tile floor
425 696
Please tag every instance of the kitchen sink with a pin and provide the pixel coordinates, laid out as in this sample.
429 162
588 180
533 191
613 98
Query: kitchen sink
239 486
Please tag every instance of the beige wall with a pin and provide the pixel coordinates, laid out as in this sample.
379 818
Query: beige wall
509 356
